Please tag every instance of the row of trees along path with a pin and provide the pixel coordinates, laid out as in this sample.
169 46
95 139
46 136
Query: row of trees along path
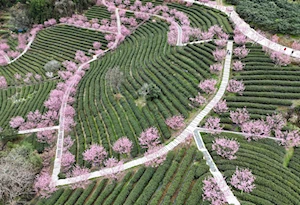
230 198
60 138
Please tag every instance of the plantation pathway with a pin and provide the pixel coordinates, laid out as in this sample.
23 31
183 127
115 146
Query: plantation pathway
60 137
196 42
230 198
250 32
38 130
179 139
236 133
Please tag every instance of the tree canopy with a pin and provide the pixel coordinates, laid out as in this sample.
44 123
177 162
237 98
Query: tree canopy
278 16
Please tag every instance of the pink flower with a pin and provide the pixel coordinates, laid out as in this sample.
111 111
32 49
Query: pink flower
175 122
208 86
226 148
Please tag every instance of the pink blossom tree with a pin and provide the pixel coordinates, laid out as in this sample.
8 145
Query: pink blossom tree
67 161
275 38
42 185
149 138
47 136
239 116
255 130
226 148
38 77
117 167
3 83
154 161
215 68
241 52
235 86
96 45
198 100
238 65
221 107
4 46
206 35
68 143
275 121
176 122
123 146
212 192
83 173
221 43
288 138
240 39
296 45
280 59
208 86
213 123
95 155
219 54
16 122
243 180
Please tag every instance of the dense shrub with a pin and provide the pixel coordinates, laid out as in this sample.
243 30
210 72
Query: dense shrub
277 15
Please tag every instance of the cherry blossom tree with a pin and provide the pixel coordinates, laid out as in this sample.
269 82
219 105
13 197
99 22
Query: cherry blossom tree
4 47
149 138
221 107
123 146
226 148
68 143
176 122
67 161
97 45
239 116
198 100
255 130
47 136
172 34
243 180
208 86
156 161
275 121
215 68
275 38
83 173
38 77
95 155
117 167
207 35
43 186
280 59
221 43
219 54
235 86
3 83
213 123
296 45
240 39
241 52
212 192
16 122
288 138
238 65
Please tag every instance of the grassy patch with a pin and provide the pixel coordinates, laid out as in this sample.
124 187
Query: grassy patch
288 156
